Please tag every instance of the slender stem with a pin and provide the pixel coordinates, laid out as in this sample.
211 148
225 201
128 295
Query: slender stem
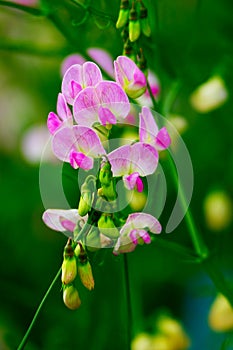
30 10
128 302
25 338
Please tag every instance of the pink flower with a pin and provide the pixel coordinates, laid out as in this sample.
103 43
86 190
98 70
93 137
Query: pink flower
133 161
135 231
103 59
149 132
61 220
78 146
78 77
129 76
63 116
104 103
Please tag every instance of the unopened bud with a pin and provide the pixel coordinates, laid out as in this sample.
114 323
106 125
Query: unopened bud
69 270
85 274
134 25
105 174
174 332
145 27
123 16
107 226
85 201
71 297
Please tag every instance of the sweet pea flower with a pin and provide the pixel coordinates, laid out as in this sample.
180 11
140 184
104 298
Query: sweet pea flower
133 161
129 76
78 146
149 132
135 231
104 103
63 220
78 77
63 116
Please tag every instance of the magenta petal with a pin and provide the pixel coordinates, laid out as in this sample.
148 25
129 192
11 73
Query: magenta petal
62 109
75 88
106 116
133 180
79 160
133 237
139 184
163 139
145 236
53 122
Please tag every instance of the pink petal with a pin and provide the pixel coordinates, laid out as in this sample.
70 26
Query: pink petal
103 59
124 67
53 122
143 220
86 107
62 220
148 128
144 159
72 83
91 74
133 237
79 160
139 184
114 98
106 116
120 160
163 139
63 143
88 141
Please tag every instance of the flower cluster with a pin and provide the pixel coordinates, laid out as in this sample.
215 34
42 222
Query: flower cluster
87 107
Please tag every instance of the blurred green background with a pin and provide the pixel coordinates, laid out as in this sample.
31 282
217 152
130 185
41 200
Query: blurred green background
191 41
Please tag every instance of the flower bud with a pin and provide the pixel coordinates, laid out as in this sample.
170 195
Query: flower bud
69 270
69 265
108 192
220 317
123 14
145 27
71 297
134 25
85 274
105 174
107 226
85 201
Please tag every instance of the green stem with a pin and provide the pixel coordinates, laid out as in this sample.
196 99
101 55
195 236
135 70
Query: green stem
25 338
128 302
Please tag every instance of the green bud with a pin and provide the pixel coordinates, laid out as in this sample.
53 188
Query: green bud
84 207
107 226
71 297
122 18
108 192
105 174
145 27
69 270
85 274
134 25
123 14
